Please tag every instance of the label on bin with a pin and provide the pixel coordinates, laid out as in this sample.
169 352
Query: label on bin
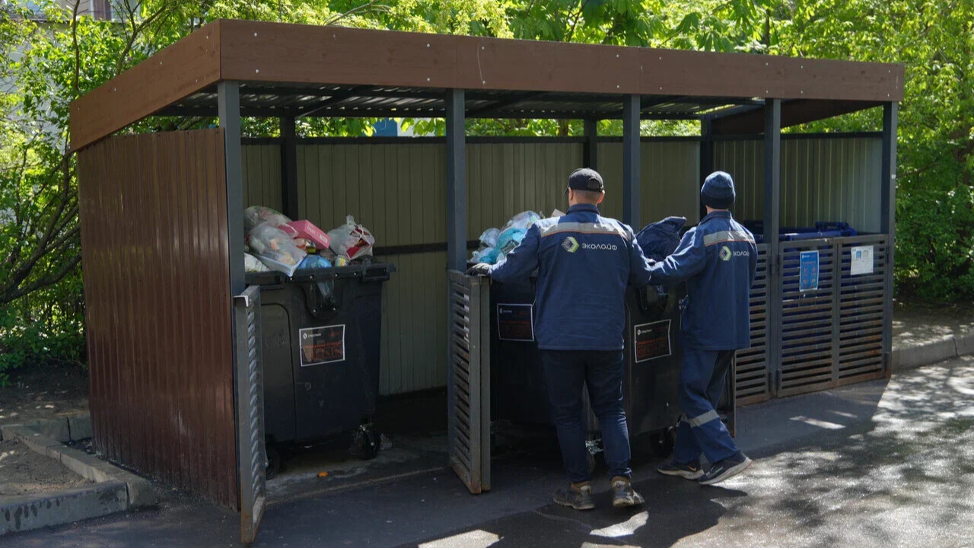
808 271
515 322
862 260
321 345
651 340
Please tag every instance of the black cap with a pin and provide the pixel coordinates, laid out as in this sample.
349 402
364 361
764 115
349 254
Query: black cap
585 179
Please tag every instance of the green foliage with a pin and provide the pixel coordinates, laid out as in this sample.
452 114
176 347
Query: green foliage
47 62
935 41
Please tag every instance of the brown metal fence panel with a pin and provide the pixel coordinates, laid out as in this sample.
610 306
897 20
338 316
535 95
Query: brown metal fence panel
863 303
807 358
751 374
155 263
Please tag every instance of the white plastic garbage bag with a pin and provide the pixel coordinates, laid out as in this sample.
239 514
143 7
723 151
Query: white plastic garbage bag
253 265
351 240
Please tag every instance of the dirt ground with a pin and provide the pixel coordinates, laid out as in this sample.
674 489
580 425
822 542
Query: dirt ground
43 393
24 472
917 322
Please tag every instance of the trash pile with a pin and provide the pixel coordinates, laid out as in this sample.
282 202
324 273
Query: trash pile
276 243
495 243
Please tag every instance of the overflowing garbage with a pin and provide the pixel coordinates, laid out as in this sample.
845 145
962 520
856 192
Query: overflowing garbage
274 242
496 244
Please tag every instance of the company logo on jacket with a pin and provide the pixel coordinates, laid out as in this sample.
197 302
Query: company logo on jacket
570 244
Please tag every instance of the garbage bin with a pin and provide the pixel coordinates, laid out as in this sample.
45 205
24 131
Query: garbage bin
320 335
652 354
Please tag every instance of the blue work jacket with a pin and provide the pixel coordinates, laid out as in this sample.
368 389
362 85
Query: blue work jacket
584 262
717 259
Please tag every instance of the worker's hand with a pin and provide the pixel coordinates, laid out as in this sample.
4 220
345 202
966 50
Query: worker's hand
479 270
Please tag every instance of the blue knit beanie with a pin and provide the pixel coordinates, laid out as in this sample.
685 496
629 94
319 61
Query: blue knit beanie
718 191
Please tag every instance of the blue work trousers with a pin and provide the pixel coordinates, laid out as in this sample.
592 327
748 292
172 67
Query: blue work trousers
566 373
702 379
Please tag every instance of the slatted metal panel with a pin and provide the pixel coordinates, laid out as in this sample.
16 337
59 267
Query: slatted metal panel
752 381
862 303
807 356
468 401
158 317
251 453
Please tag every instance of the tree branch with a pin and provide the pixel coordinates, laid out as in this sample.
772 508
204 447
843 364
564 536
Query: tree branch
77 50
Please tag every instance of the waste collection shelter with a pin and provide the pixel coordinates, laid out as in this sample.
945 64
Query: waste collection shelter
170 325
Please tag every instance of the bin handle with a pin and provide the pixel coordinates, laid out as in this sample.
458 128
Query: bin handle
375 274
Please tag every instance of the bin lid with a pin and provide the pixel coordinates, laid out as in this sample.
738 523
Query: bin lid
372 272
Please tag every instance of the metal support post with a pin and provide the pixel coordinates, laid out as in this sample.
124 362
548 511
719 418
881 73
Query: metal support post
456 181
631 180
772 200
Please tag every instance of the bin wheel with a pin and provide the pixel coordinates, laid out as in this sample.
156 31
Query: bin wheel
591 463
366 443
662 443
274 462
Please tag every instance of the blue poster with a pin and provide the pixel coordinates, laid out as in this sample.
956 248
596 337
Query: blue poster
808 275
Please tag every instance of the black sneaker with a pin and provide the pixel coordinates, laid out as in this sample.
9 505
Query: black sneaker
726 469
690 470
623 495
579 498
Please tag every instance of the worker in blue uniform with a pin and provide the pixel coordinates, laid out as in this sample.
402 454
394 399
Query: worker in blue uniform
717 259
584 264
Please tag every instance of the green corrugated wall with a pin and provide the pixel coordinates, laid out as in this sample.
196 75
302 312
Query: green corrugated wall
822 179
398 191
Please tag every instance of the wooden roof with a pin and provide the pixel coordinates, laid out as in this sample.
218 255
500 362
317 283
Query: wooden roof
302 70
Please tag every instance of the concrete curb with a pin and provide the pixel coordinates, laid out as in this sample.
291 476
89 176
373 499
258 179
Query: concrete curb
68 506
928 353
114 489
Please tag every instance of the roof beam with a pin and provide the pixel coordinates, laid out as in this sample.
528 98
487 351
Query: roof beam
506 102
799 111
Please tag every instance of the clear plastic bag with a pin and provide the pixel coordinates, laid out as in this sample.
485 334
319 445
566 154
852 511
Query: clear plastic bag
489 238
522 221
275 248
256 215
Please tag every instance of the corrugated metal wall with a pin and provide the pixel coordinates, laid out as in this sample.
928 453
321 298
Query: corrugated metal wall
262 176
822 179
670 173
398 190
153 211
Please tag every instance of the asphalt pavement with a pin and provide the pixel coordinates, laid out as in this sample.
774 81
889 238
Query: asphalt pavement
884 463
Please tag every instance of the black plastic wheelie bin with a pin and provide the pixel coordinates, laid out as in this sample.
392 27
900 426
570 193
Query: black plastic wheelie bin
321 334
653 361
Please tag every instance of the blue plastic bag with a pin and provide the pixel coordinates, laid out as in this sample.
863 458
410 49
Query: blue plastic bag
510 238
314 261
660 239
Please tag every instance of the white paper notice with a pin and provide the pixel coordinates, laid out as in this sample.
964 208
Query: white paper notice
862 260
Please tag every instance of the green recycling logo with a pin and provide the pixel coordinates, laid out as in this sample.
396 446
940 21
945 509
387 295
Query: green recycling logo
570 244
725 253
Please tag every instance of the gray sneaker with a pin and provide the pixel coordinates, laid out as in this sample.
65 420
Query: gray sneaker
579 498
623 495
726 469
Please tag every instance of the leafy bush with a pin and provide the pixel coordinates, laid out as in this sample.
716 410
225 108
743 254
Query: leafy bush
46 330
935 241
